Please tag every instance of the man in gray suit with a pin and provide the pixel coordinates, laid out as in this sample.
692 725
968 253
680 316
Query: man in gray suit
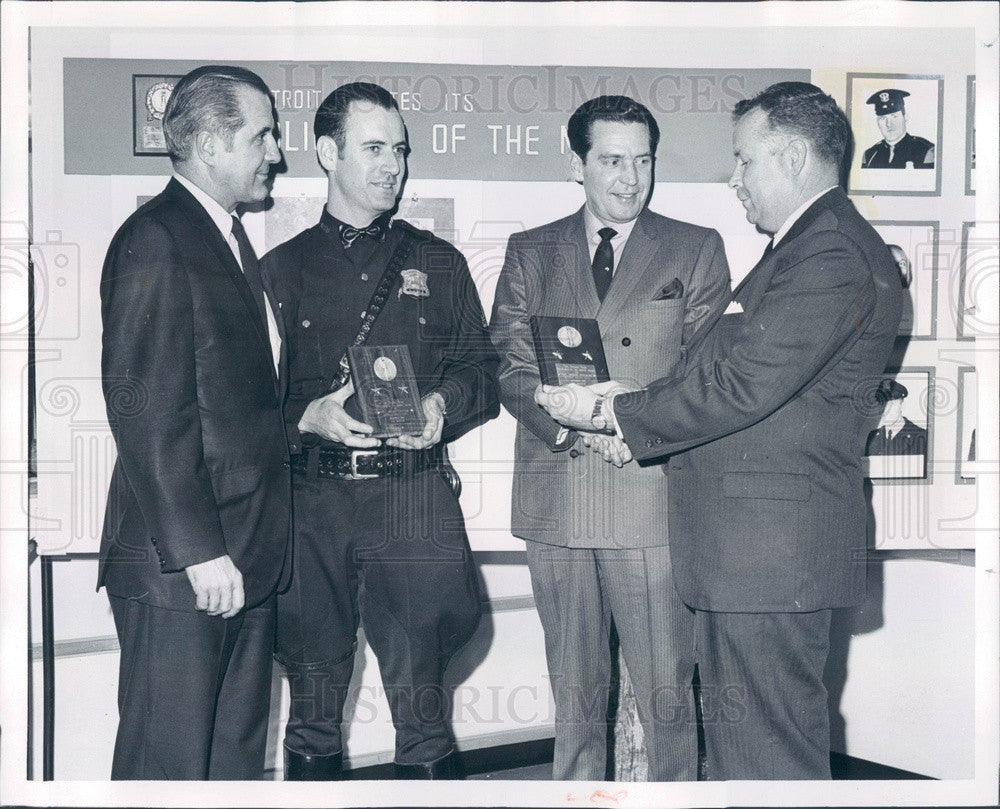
597 544
765 427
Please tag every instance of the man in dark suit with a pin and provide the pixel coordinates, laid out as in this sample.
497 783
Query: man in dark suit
597 548
765 429
379 534
197 524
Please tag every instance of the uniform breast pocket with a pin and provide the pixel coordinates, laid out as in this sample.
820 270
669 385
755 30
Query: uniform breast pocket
307 337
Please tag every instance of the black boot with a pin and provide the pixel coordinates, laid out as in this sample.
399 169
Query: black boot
300 767
444 769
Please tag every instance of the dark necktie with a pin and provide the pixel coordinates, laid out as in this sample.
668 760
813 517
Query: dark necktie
604 262
349 235
251 269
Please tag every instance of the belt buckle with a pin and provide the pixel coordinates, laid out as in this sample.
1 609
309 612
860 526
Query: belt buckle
355 454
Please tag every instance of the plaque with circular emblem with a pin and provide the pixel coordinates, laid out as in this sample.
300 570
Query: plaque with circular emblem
387 390
568 349
150 95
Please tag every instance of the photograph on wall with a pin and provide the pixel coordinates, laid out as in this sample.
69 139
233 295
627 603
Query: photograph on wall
970 135
914 250
975 284
899 447
897 125
149 102
967 424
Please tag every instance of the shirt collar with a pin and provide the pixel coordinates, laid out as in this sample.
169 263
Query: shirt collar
796 215
592 224
223 219
330 225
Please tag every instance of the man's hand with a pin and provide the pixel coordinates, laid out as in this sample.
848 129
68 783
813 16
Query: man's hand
218 586
573 405
434 413
611 447
327 418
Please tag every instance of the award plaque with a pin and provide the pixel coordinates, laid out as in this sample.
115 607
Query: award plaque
386 388
569 349
149 101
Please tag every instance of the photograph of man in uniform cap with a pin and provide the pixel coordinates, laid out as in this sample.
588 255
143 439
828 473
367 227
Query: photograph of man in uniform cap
898 149
895 434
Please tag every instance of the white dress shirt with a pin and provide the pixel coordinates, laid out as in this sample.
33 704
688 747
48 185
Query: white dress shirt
224 222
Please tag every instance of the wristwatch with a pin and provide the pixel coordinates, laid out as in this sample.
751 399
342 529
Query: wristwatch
597 417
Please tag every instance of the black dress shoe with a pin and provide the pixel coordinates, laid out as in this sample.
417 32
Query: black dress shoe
444 769
300 767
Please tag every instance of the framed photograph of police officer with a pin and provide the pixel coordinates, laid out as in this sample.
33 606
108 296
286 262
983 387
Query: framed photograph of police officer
149 100
914 247
897 125
966 427
899 446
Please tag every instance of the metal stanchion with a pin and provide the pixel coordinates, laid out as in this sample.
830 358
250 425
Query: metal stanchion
48 673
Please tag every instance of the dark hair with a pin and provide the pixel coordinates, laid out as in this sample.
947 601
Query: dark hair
331 117
617 109
206 99
805 110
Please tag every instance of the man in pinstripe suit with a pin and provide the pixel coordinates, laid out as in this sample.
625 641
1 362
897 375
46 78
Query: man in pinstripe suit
595 526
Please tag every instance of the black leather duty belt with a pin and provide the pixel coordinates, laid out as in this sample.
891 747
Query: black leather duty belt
363 464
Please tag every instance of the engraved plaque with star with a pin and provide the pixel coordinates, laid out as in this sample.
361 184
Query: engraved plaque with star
386 388
569 349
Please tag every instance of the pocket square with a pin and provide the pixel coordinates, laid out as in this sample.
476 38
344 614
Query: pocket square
672 291
734 308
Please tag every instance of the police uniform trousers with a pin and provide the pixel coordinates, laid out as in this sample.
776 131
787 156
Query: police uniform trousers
391 553
193 693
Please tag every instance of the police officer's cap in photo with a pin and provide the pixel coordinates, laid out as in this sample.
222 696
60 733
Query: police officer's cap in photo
887 101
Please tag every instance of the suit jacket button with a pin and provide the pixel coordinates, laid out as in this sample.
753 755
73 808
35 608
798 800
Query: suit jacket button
574 453
626 342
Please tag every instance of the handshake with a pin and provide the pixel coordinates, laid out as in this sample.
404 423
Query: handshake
587 409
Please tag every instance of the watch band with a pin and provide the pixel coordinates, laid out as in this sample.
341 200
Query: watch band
597 417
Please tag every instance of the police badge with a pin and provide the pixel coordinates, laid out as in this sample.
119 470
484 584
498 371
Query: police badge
414 284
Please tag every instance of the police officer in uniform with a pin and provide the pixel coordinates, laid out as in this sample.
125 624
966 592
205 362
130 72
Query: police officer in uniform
896 434
379 535
898 149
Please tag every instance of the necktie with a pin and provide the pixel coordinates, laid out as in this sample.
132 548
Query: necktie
604 262
349 235
251 269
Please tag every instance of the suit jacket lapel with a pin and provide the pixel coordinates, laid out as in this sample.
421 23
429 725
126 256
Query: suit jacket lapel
637 255
572 257
224 255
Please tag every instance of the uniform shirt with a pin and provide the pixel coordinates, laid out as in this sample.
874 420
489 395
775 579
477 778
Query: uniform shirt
906 439
323 290
908 149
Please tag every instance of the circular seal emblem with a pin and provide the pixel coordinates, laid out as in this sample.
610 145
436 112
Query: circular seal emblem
156 99
385 369
569 336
